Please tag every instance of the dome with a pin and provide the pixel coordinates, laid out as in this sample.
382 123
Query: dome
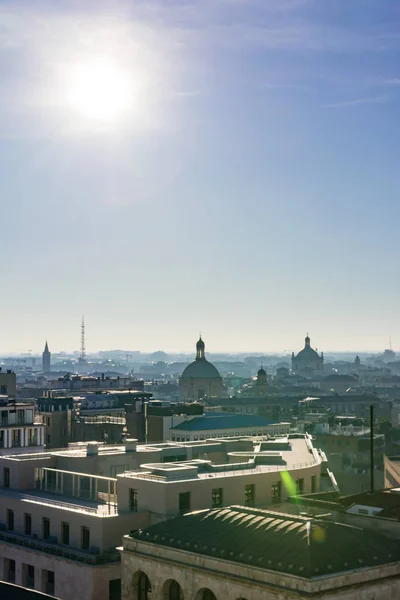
307 353
200 369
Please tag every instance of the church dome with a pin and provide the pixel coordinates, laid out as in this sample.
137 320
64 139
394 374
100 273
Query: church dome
261 372
200 368
307 353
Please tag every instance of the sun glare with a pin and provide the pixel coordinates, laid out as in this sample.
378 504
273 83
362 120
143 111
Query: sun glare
100 89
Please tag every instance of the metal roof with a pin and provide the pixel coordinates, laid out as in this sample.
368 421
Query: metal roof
293 544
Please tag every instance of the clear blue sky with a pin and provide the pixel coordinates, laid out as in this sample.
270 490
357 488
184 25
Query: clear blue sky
247 185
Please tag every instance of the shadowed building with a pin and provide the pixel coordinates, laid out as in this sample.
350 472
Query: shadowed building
200 379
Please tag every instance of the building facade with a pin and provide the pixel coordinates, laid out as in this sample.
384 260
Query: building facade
21 430
8 383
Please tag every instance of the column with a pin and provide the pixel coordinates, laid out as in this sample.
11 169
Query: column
26 443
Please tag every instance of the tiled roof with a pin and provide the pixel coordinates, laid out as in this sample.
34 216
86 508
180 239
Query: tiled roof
275 541
221 421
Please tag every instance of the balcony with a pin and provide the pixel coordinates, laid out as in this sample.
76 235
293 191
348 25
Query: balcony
89 557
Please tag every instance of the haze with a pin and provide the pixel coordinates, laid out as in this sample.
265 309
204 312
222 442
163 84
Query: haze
224 166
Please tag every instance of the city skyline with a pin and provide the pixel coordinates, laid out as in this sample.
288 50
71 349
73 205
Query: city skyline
168 167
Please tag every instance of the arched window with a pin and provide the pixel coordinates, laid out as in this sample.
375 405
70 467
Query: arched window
143 587
206 594
172 590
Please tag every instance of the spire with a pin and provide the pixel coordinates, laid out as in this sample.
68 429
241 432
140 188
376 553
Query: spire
307 340
46 348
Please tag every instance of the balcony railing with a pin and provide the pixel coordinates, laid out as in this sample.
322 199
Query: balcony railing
91 557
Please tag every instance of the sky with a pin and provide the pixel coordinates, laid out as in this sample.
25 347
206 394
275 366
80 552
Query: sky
223 166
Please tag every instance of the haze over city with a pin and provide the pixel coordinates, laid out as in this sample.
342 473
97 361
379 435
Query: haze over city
221 166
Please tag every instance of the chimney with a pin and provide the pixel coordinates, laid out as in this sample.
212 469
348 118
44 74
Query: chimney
92 449
130 445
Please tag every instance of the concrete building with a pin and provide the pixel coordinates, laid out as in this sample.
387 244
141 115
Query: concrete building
307 360
63 513
46 359
348 450
21 430
57 415
8 383
219 425
200 379
240 552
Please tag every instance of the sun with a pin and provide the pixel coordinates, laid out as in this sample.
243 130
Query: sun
100 89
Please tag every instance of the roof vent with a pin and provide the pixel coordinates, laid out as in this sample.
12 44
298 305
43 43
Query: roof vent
130 445
92 449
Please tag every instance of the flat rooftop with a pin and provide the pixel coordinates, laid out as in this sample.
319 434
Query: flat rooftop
290 454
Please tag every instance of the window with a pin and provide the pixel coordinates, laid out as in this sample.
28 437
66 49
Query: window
48 581
313 484
249 494
217 498
48 438
3 389
276 492
9 570
28 523
28 576
16 438
133 500
48 422
65 533
10 519
184 502
46 528
299 486
6 477
114 589
85 538
143 587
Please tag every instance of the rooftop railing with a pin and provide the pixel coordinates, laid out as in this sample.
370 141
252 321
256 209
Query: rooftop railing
91 557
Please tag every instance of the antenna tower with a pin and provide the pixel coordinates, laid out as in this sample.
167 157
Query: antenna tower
83 350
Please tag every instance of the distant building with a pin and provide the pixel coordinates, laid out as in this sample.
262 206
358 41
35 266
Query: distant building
8 383
46 359
200 379
261 387
57 414
307 360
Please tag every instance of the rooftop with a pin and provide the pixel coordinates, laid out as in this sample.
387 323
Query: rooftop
222 421
295 452
302 546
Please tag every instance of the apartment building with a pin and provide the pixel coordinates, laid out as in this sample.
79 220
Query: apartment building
64 512
21 430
